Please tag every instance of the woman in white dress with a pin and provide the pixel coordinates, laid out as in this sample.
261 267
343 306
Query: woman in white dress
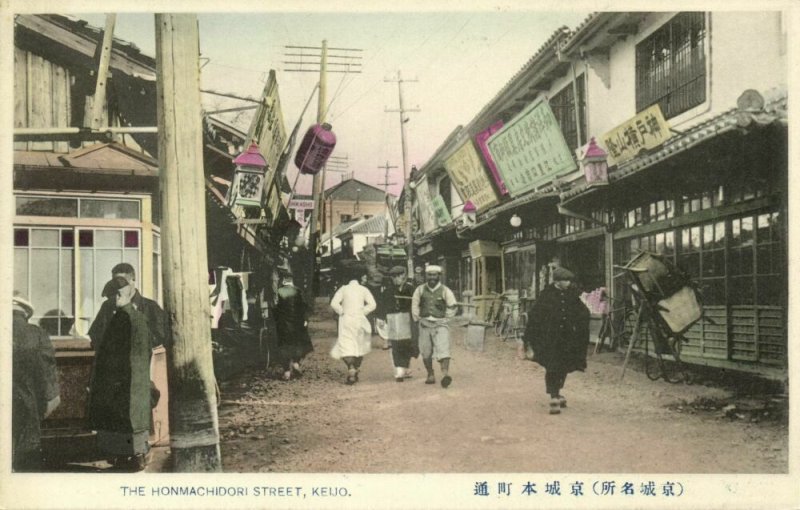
352 302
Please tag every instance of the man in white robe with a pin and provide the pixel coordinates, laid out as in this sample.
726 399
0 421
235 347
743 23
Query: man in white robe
353 302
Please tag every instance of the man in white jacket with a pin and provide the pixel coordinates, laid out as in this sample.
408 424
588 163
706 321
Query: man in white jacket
353 302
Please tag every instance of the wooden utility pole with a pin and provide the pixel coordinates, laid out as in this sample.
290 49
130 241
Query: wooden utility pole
194 427
406 180
349 64
386 185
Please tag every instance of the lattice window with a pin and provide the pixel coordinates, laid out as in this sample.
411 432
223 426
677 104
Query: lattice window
671 66
563 106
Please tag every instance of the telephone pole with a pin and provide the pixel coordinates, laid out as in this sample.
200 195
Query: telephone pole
193 420
350 64
386 185
406 179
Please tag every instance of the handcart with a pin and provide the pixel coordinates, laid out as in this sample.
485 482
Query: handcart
669 304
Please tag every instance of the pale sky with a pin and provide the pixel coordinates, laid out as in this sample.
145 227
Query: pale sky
460 59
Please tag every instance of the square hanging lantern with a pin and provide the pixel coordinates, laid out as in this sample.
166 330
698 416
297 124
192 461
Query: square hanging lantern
248 179
595 164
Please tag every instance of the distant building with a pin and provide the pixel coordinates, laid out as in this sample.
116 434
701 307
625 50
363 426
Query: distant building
350 200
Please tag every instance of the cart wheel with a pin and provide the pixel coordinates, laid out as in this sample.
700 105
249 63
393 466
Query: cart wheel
653 367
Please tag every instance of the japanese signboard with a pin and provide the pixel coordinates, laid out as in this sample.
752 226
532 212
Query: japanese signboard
481 139
426 217
530 150
469 177
646 130
440 211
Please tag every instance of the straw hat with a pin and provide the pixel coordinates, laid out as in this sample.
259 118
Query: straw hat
22 302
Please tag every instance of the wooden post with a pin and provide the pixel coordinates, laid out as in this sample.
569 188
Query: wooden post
194 427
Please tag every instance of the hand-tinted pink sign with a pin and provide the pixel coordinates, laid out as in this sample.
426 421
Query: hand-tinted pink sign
481 139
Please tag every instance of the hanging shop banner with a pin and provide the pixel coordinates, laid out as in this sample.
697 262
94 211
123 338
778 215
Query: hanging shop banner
425 209
530 150
440 212
481 139
646 130
469 177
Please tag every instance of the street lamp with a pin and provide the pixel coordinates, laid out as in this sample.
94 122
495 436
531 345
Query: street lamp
515 221
248 178
595 164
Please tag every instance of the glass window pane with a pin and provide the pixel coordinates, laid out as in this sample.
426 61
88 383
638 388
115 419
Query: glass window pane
116 209
742 291
695 238
21 271
21 237
85 238
107 239
67 268
747 231
47 206
131 239
67 238
132 258
691 264
104 263
669 243
719 234
764 228
764 259
44 238
156 243
708 236
44 281
770 290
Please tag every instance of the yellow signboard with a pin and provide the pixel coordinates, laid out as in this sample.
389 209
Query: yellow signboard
469 177
646 130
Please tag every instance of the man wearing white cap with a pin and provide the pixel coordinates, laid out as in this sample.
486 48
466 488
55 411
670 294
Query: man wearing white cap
34 387
431 305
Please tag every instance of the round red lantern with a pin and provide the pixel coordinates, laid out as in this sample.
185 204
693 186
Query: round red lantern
314 150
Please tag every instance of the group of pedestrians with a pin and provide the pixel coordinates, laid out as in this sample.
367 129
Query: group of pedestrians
416 323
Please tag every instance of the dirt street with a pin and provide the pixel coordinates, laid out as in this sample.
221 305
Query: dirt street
494 418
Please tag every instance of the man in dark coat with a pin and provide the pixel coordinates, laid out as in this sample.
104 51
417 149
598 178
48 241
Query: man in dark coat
121 396
291 320
558 332
396 308
35 392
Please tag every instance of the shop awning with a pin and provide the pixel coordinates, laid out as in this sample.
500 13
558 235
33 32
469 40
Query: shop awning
731 120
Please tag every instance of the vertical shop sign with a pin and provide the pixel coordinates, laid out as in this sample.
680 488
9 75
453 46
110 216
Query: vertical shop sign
530 150
427 218
645 131
469 177
481 139
440 211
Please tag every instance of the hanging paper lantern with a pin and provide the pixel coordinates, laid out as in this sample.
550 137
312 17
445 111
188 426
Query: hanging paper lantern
316 147
248 179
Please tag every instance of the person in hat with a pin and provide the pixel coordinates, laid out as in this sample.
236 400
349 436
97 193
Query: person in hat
120 394
35 391
558 333
352 303
397 314
291 320
431 305
156 317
